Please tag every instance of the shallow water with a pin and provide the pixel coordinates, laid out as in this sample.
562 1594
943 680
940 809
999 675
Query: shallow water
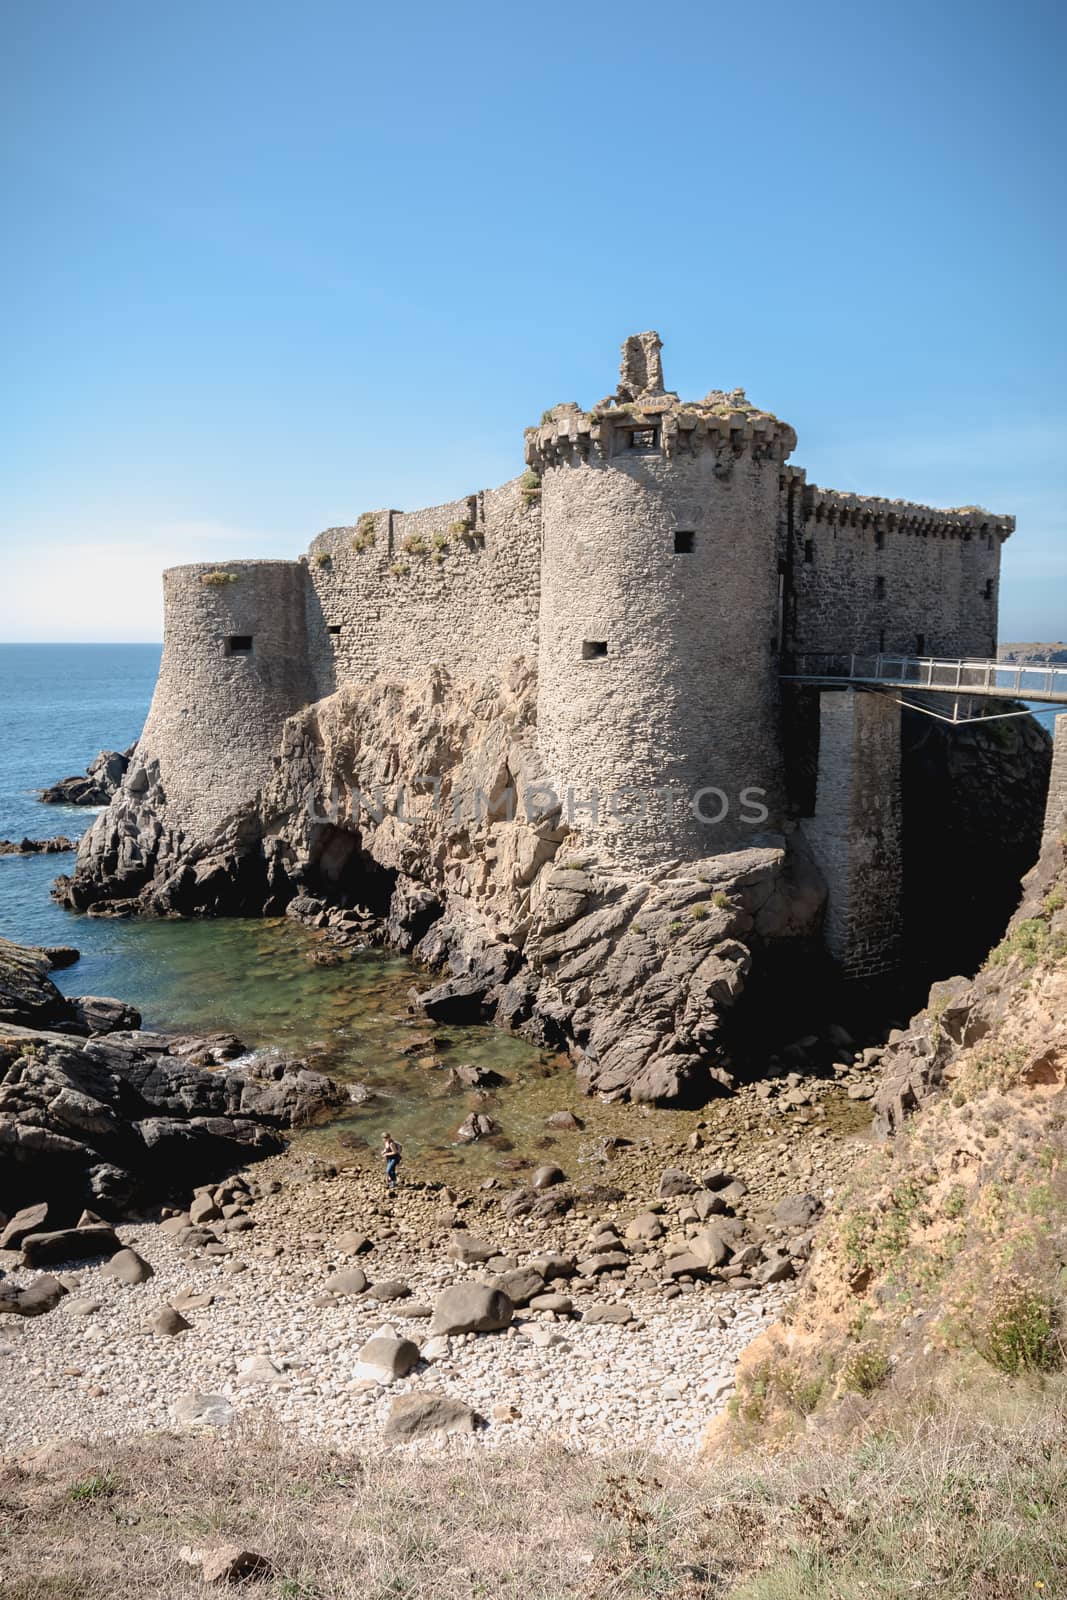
59 705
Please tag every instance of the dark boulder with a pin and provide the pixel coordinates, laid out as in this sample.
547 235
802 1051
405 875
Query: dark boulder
94 787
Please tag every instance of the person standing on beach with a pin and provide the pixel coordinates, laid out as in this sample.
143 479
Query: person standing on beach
392 1153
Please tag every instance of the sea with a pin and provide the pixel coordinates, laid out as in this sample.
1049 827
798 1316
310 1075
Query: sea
60 704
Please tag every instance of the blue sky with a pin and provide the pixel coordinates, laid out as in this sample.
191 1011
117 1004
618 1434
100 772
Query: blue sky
269 265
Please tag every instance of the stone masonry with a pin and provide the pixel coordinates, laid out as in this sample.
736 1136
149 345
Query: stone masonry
854 834
655 570
1056 805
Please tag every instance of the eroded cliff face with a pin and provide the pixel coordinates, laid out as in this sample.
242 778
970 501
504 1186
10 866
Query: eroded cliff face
414 811
941 1273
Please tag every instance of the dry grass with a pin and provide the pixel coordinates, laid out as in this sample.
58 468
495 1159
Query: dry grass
955 1509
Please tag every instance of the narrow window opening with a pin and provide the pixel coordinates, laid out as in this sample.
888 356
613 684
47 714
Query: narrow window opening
879 587
879 539
644 438
334 628
594 649
684 541
239 644
988 590
881 643
809 552
920 644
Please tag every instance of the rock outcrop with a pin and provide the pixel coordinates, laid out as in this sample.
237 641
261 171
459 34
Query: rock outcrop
115 1118
633 973
96 786
942 1268
37 847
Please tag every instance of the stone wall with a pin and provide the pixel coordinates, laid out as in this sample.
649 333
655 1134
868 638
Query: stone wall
855 833
455 585
870 575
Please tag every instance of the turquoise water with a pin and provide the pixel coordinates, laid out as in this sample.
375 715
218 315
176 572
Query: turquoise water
59 705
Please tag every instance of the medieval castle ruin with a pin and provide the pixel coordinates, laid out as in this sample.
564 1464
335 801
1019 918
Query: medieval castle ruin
661 562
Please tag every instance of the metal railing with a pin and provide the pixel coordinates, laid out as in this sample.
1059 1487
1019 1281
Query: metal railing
1022 682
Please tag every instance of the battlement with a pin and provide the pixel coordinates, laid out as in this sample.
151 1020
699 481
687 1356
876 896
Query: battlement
840 508
655 425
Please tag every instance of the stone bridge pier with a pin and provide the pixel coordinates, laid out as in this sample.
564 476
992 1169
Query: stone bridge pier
1056 804
855 831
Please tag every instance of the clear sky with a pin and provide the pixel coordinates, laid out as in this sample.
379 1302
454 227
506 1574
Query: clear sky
270 264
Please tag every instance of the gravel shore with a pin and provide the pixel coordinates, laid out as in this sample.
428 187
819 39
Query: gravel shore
272 1340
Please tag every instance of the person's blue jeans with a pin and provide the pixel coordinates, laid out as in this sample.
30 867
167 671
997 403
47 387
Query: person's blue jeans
391 1164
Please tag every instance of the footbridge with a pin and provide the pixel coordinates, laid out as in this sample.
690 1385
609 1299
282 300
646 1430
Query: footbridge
990 680
854 830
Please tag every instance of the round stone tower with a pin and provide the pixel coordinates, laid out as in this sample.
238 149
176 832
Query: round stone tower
235 665
658 690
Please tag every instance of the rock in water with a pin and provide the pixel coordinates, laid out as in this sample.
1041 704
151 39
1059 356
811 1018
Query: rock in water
94 787
546 1177
121 1117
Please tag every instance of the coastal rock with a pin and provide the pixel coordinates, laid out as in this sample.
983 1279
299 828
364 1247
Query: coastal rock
102 1014
42 1295
69 1244
30 1219
634 979
349 1281
385 1358
126 1266
103 1122
464 1247
616 1313
797 1210
471 1308
167 1322
96 786
37 847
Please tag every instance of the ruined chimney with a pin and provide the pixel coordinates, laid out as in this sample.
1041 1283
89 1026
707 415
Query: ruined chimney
641 370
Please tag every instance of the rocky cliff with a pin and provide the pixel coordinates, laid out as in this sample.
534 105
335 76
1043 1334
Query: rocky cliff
942 1270
410 810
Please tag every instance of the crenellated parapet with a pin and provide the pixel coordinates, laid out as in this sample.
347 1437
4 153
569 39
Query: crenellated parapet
837 507
662 423
866 573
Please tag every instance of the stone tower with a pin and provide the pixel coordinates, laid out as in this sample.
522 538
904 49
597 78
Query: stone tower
659 615
235 665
